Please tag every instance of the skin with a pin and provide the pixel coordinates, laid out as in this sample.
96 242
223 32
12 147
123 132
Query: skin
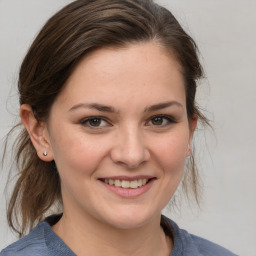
127 141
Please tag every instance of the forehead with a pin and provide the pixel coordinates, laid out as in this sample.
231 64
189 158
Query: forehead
137 70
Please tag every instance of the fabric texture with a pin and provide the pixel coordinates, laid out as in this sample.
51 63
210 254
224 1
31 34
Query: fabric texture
42 241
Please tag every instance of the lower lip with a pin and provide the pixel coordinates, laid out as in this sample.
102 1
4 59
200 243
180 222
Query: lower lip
129 192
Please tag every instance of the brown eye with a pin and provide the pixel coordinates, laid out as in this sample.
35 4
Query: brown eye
94 122
157 121
161 120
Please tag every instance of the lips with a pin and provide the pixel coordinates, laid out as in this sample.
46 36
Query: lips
128 187
126 183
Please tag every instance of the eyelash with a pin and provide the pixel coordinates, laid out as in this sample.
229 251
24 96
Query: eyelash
85 122
169 120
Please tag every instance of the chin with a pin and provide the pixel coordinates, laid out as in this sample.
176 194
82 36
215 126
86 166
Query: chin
131 219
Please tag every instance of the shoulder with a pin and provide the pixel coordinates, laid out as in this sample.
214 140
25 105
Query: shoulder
40 241
186 244
32 244
206 247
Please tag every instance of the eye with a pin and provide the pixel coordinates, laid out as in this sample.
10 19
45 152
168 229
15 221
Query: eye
161 120
94 122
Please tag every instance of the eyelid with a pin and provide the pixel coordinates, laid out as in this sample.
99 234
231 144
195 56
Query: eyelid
170 119
84 120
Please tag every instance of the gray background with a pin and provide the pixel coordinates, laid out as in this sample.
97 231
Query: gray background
225 31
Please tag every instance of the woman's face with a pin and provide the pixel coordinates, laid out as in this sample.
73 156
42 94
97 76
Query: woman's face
119 135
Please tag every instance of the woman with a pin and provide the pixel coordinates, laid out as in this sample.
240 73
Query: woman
107 94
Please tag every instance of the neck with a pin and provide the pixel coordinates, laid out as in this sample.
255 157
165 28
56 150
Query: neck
91 237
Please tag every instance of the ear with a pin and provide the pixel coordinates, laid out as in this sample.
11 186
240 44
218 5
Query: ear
192 127
38 133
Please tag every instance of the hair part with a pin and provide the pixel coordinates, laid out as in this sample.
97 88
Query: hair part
78 29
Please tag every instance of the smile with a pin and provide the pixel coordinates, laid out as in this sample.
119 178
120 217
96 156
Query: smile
126 183
128 187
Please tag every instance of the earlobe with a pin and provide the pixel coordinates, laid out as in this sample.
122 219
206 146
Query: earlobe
38 133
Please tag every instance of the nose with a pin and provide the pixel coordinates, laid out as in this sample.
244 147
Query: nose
129 148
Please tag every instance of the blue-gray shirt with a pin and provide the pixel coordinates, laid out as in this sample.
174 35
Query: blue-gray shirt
42 241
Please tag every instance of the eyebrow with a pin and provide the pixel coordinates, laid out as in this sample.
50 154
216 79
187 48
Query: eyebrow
163 105
99 107
109 109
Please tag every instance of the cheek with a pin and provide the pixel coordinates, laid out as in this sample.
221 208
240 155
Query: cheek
77 154
171 151
77 164
170 154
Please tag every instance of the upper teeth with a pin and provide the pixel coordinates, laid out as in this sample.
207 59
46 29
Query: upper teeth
126 183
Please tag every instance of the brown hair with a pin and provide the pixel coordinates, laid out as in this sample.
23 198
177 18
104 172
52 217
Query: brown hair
77 29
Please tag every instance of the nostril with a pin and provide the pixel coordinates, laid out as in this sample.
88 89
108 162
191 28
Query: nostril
129 150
